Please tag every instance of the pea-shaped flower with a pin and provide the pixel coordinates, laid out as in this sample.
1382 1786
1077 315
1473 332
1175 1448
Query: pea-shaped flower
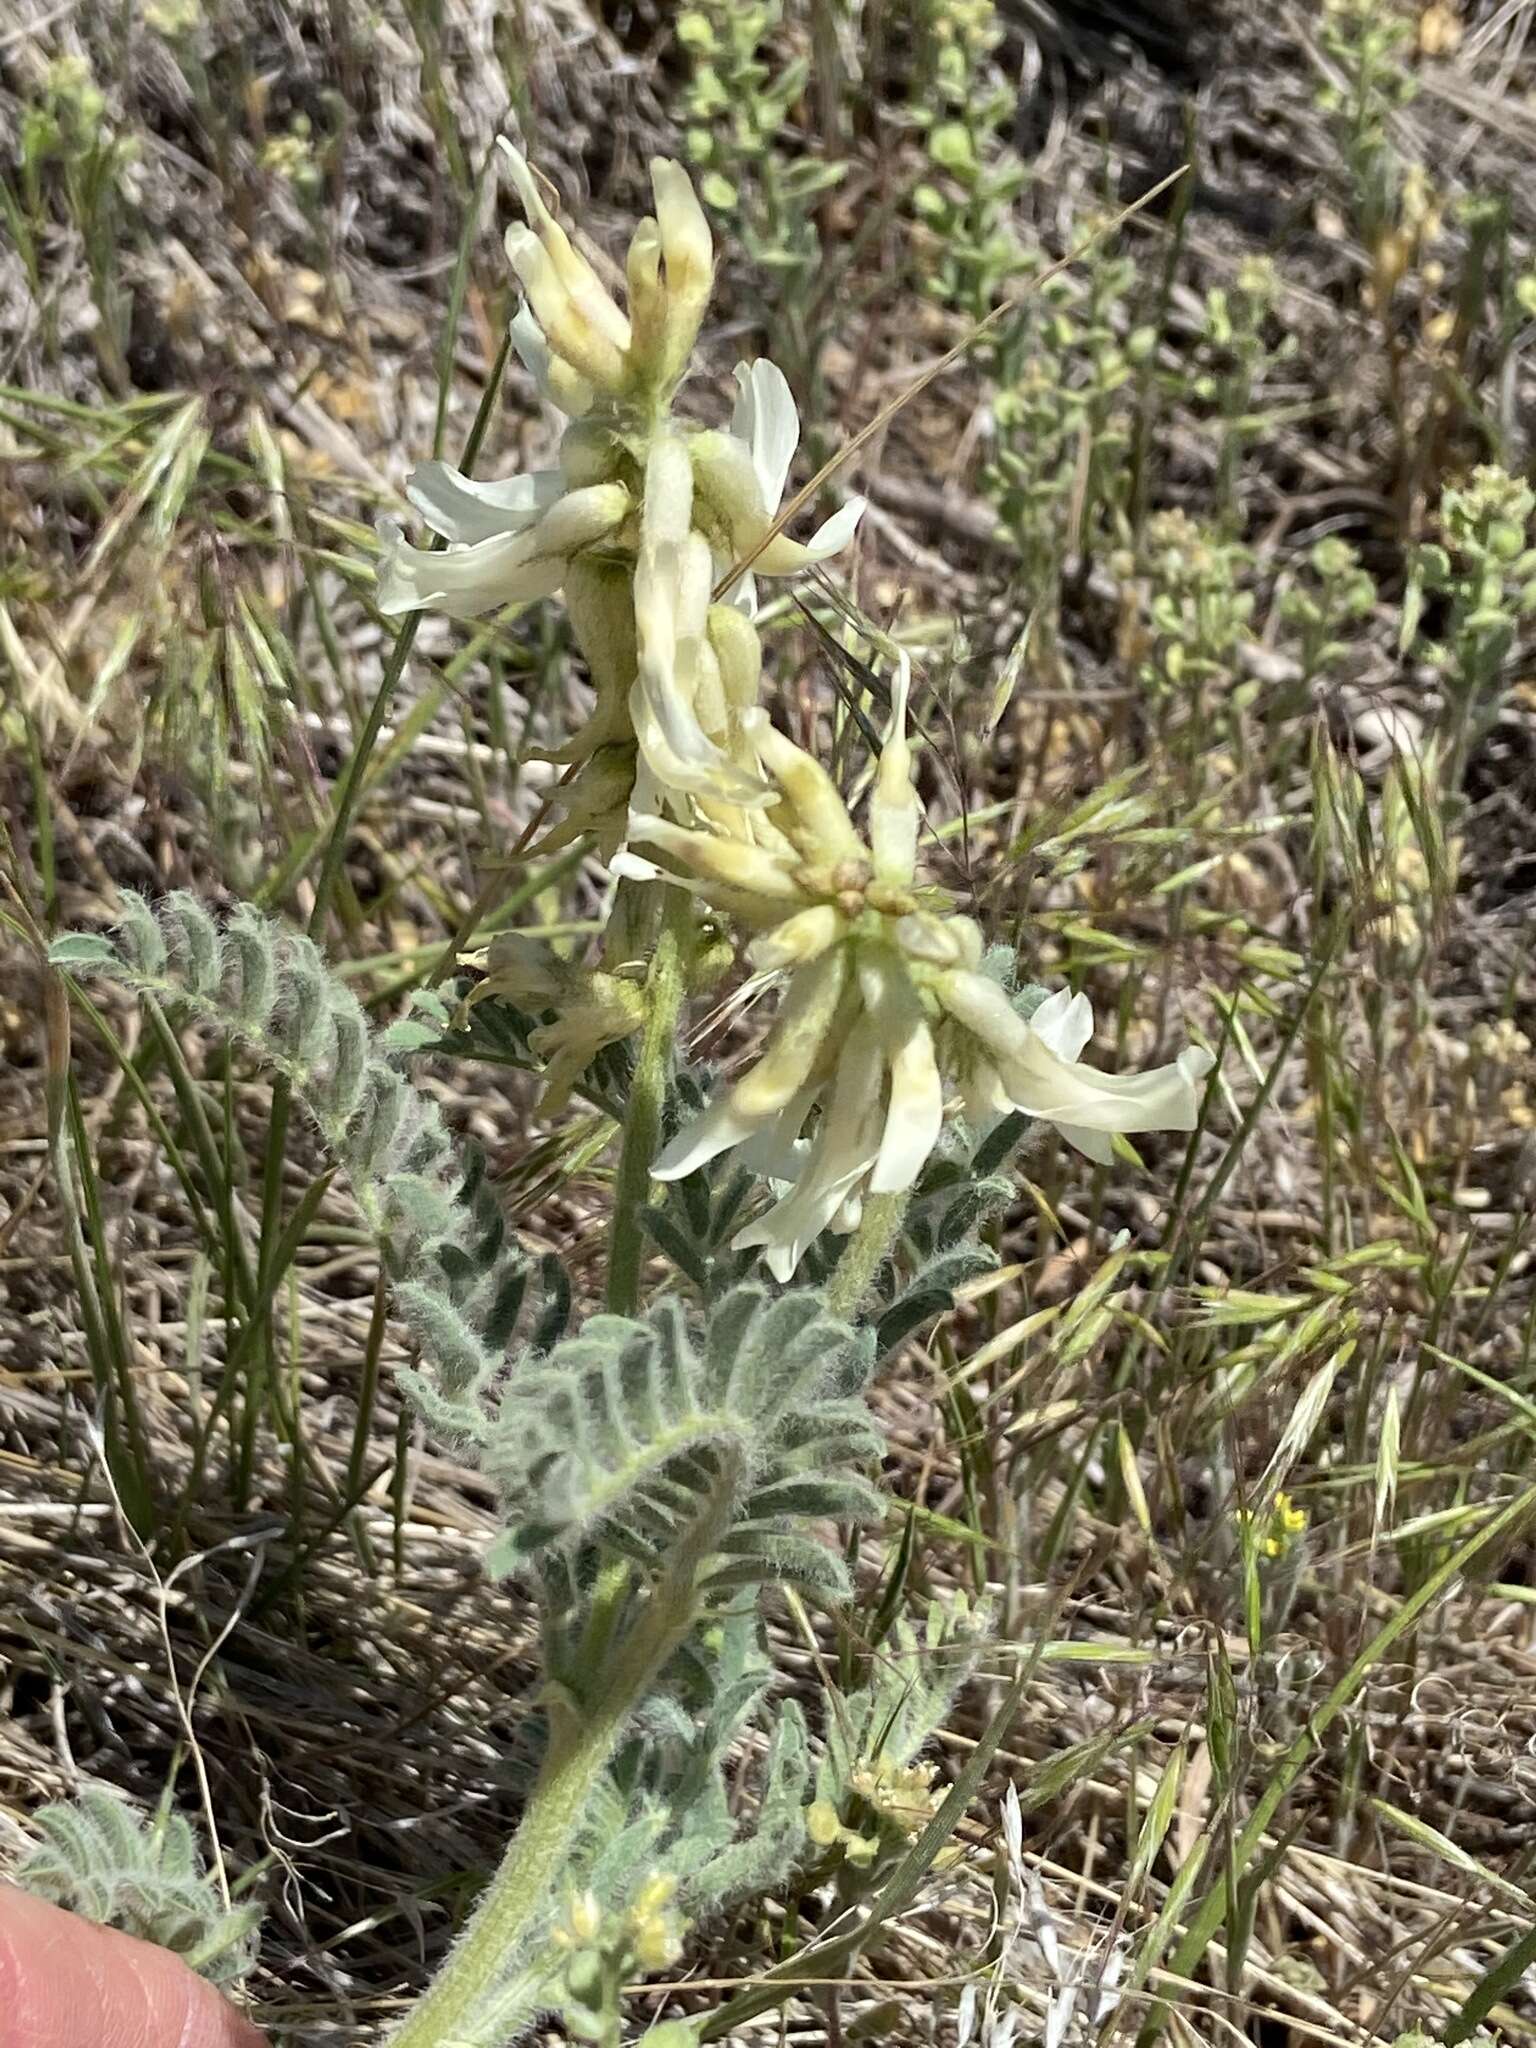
885 1012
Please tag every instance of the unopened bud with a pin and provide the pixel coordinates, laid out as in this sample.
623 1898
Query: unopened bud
740 654
818 820
576 521
570 333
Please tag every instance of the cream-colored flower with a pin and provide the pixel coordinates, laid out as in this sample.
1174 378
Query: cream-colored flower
594 349
636 523
1033 1065
526 554
883 995
682 719
516 539
767 425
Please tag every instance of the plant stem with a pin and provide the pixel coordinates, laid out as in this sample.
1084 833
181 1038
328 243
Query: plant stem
665 984
856 1269
582 1738
521 1887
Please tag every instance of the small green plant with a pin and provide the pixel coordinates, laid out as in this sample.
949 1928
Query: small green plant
1330 594
1058 473
1482 569
75 162
1365 84
739 106
970 250
1198 609
1234 356
99 1859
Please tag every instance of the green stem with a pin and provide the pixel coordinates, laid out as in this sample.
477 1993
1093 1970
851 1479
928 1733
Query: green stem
878 1229
665 986
582 1739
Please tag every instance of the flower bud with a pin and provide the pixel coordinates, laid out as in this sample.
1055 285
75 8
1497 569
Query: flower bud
590 351
801 1030
558 383
817 819
728 861
688 255
739 653
805 936
576 521
647 303
893 808
577 277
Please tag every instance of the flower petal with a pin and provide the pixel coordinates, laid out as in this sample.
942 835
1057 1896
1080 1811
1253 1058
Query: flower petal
778 1152
668 503
688 258
462 509
591 352
802 1037
586 290
766 419
914 1116
716 859
1064 1024
819 823
842 1153
461 581
1094 1145
559 385
894 812
671 613
804 936
783 556
678 752
1167 1099
720 1127
914 1113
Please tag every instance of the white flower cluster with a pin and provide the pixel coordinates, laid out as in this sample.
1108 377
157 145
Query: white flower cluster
886 1014
641 520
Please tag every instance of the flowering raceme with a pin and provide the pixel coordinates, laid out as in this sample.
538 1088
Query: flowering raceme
885 1010
655 530
641 518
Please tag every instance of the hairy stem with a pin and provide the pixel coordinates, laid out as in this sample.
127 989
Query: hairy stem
665 984
582 1739
860 1261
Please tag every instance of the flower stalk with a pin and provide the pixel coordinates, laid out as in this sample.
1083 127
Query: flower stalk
583 1737
854 1273
665 987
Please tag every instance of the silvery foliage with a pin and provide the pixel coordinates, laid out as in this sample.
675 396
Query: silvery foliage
97 1858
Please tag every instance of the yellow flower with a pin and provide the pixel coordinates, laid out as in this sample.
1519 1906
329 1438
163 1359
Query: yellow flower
1277 1531
880 978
